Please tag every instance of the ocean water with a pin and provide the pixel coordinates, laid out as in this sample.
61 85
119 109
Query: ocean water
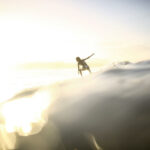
13 82
108 109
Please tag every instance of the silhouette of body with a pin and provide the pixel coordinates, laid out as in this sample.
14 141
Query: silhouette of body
82 65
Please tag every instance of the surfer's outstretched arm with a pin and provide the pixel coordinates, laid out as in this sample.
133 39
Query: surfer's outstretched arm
88 57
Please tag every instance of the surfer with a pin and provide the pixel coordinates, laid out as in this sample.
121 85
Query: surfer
82 65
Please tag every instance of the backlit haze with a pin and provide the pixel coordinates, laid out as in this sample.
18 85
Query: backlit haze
49 34
40 39
60 30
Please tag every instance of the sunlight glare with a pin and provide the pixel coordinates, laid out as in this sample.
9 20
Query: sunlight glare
20 115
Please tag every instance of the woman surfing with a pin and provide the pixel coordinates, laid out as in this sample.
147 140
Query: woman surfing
82 65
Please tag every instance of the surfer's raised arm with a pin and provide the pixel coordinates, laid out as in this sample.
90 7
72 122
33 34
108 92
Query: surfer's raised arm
88 57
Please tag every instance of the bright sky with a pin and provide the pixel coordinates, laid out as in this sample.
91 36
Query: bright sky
60 30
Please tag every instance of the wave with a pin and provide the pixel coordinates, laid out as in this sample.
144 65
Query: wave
106 110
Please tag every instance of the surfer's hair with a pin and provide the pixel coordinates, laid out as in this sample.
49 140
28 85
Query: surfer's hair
78 59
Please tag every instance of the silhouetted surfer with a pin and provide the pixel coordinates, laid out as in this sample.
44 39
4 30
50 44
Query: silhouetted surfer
82 65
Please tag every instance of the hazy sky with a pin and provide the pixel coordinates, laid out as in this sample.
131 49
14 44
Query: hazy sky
60 30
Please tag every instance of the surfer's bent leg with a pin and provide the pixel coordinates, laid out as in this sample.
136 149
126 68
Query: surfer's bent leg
80 72
89 70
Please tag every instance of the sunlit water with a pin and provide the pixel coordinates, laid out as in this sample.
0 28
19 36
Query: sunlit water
15 81
27 115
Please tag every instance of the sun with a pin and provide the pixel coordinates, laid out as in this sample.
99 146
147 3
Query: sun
28 41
